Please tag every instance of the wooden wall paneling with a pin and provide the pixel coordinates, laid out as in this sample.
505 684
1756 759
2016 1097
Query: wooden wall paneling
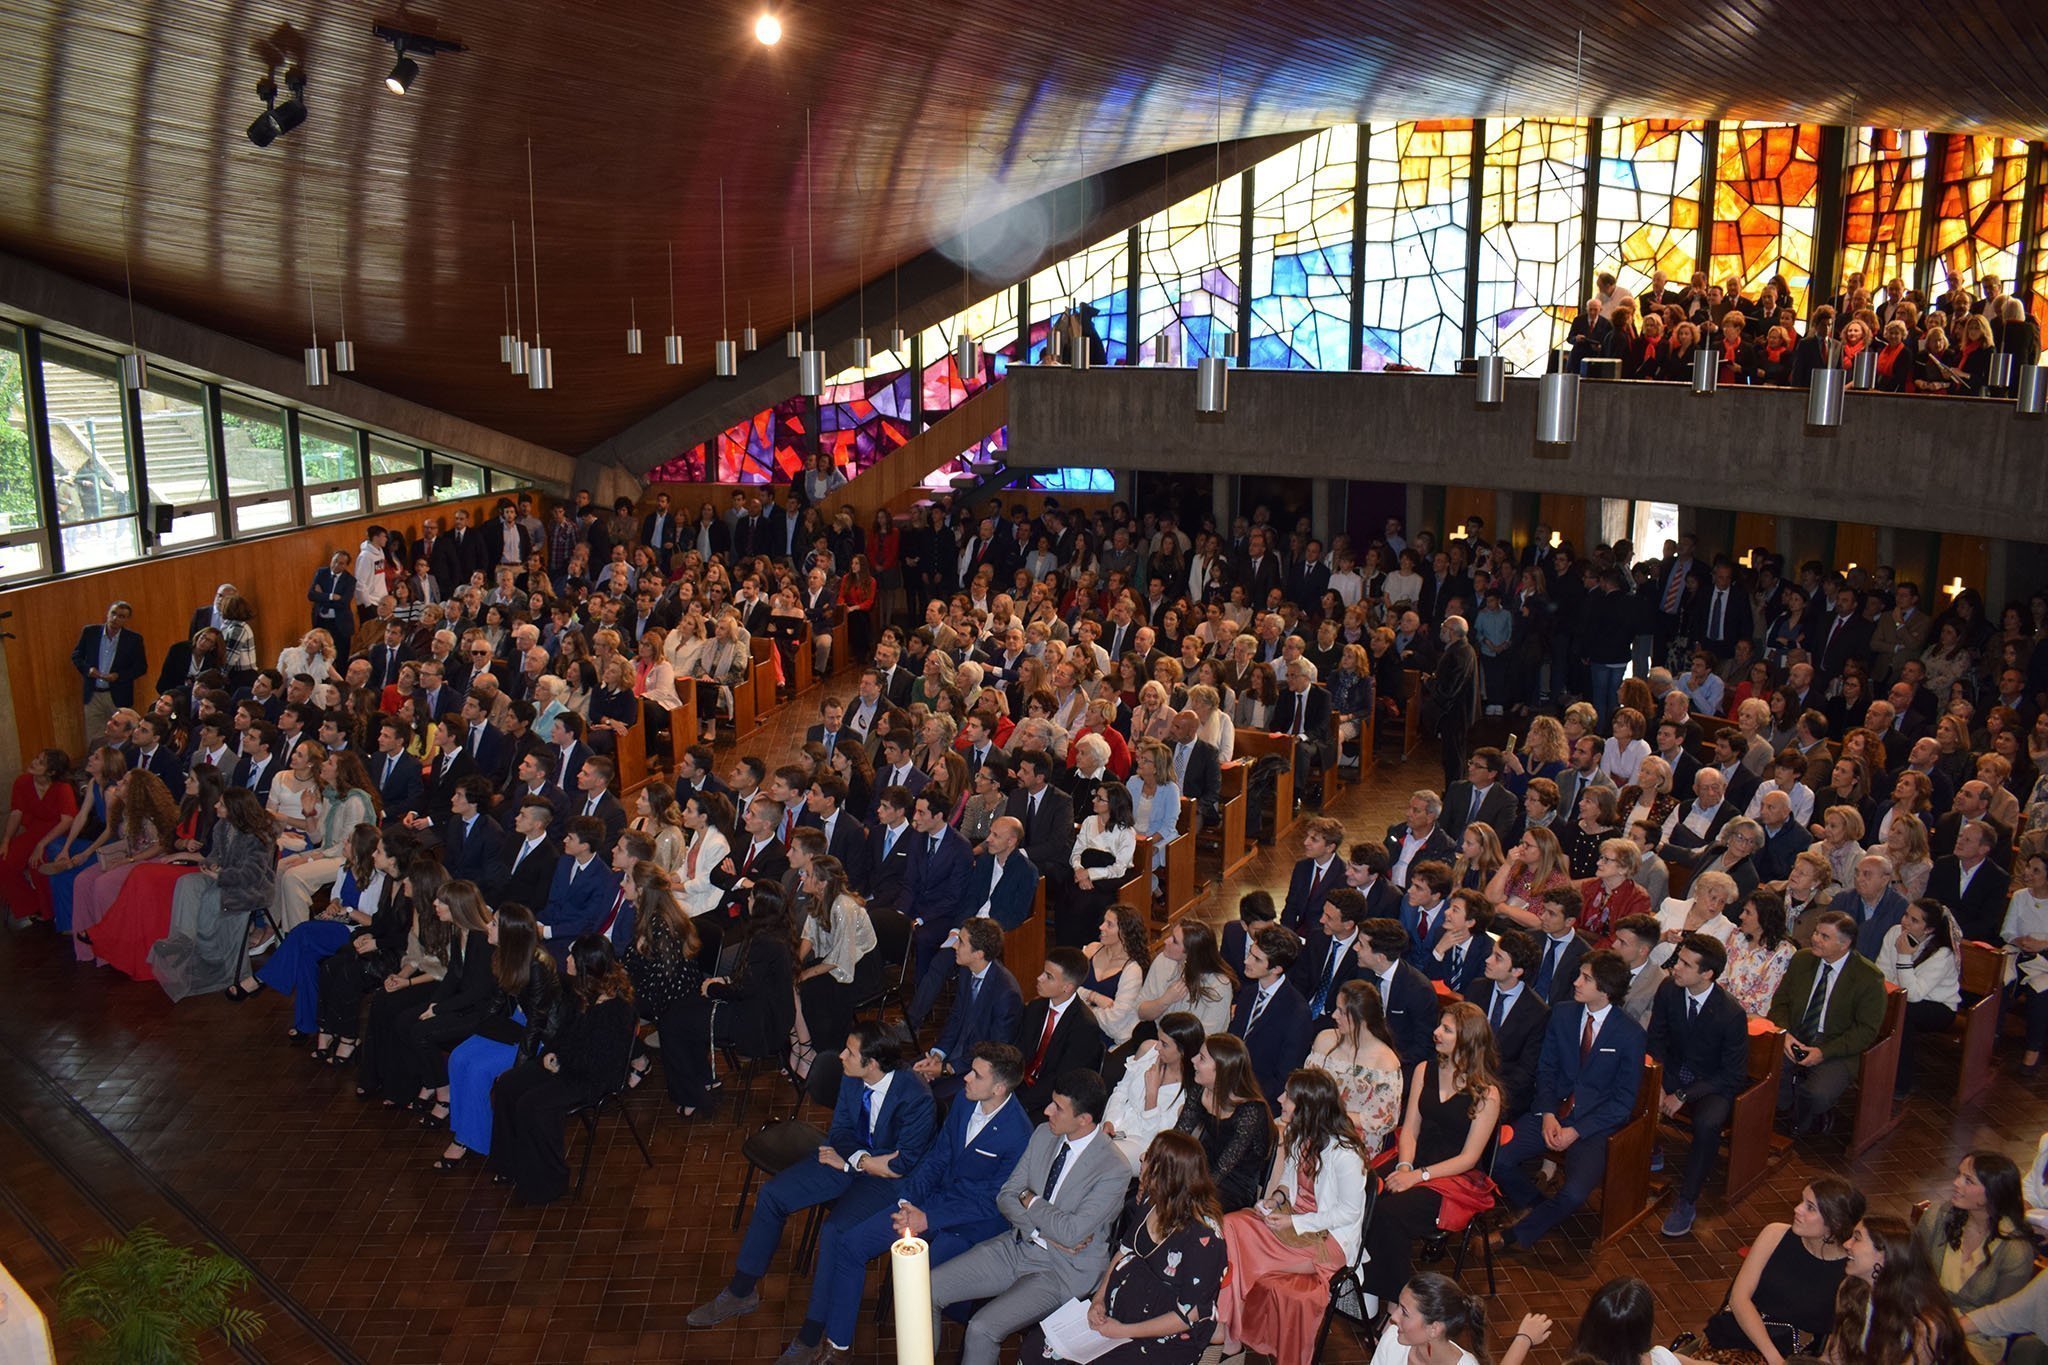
1753 529
273 573
1855 543
1460 503
1967 558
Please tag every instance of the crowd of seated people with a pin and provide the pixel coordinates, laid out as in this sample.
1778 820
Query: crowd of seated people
414 828
1941 346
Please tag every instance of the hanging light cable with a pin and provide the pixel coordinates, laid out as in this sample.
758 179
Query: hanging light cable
632 326
505 338
344 349
1162 345
1557 393
134 368
540 362
518 357
725 356
672 346
1489 371
899 344
810 370
966 350
1212 374
317 375
793 343
863 349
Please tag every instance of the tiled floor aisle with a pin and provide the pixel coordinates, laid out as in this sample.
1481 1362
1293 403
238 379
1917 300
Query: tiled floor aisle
214 1127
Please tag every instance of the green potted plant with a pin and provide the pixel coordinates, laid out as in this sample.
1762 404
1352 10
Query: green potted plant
152 1299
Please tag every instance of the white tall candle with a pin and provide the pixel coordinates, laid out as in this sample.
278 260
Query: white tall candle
910 1269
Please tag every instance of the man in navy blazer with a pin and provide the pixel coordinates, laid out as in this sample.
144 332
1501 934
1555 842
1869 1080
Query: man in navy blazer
396 772
1421 836
488 748
592 797
525 867
1701 1036
1462 964
154 753
109 658
1586 1084
1422 908
1517 1015
1270 1016
987 1006
1875 904
1405 993
583 886
845 837
949 1200
256 769
935 880
1329 956
1319 872
1560 950
888 854
470 840
882 1127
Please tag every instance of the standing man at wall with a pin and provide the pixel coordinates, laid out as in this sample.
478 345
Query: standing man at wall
109 658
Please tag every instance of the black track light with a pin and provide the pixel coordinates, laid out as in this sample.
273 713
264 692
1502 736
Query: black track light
407 47
278 119
292 112
264 130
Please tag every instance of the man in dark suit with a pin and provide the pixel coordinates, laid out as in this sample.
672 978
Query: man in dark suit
888 852
525 869
472 842
1873 904
1721 615
486 745
935 880
845 837
1972 884
1458 958
1319 872
1454 690
1420 838
1700 1035
659 530
396 772
1197 770
758 858
582 889
1481 798
153 754
1365 871
987 1007
387 655
895 679
529 780
457 554
449 766
1309 578
1670 741
1058 1034
1405 993
109 658
1844 634
1270 1015
1258 569
1972 802
895 766
1784 840
506 541
1328 955
1586 1084
594 798
1831 1005
949 1201
1422 908
1045 812
1561 948
1517 1014
1305 713
1000 889
1584 774
882 1126
258 767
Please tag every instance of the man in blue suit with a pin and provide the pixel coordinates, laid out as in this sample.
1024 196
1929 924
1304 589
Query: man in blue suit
935 881
949 1200
1329 956
1319 872
1000 888
471 840
396 772
881 1128
1561 948
1701 1036
1405 993
1422 908
1270 1016
986 1007
109 659
1874 903
1586 1084
583 888
487 746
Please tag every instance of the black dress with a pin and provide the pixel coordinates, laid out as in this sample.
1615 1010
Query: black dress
420 1047
530 1105
660 972
1399 1219
1797 1288
1181 1273
347 976
1239 1148
754 1013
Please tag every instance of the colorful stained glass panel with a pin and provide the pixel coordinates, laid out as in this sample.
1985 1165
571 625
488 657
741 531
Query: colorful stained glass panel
1531 216
1881 192
1189 273
1302 209
1766 203
1649 205
1096 281
1978 208
1418 186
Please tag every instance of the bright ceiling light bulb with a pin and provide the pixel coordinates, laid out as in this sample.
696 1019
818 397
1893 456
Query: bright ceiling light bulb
768 29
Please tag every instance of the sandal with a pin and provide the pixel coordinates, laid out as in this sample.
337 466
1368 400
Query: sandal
339 1058
433 1119
636 1073
444 1162
238 992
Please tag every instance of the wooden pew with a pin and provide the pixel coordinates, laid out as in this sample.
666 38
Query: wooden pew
1876 1115
1180 863
761 678
1024 946
629 757
682 726
1749 1126
806 666
1984 979
1625 1188
746 716
1411 713
1136 891
1252 744
1231 844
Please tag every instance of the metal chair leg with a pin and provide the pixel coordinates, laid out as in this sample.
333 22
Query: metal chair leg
746 1192
634 1128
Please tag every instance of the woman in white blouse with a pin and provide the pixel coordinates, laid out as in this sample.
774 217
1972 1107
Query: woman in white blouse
1116 971
1705 913
1625 749
1216 725
296 800
1147 1101
686 647
1188 973
312 655
707 816
1104 848
1919 957
832 950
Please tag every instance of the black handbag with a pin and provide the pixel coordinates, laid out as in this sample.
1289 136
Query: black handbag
1093 858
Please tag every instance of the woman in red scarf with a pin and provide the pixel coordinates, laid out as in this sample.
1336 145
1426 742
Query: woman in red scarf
1895 360
1771 363
1974 356
1855 336
1734 350
1644 359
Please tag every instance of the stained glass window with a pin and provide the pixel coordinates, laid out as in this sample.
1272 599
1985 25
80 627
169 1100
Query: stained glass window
992 322
1302 210
1189 273
863 420
1983 192
1530 225
1418 185
1881 193
1766 201
987 448
769 447
1649 207
1098 280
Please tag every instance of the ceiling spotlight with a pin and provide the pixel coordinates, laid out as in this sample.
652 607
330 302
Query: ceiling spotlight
292 112
408 46
264 130
768 29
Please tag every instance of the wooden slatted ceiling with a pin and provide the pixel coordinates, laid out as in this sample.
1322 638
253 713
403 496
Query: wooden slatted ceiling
121 125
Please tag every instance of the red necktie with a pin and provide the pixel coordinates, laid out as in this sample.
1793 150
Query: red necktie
1586 1040
1044 1042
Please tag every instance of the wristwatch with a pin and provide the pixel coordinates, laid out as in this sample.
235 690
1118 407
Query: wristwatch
1425 1175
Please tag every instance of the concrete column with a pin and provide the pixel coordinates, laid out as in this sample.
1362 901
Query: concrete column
1887 546
1504 516
1412 513
1222 500
1787 545
1319 509
1997 567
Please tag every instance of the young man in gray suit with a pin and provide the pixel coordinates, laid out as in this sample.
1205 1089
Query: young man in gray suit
1061 1201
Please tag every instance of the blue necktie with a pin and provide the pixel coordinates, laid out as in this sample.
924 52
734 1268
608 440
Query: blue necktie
867 1111
1544 973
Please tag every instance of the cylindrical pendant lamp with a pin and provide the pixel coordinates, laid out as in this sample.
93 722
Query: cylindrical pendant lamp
1490 381
810 373
1212 385
317 376
725 359
1706 371
2032 390
1557 405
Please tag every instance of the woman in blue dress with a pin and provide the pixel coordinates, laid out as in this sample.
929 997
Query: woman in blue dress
74 847
525 1012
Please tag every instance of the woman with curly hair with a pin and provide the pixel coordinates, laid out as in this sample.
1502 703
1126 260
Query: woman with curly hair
146 817
141 913
1891 1308
1117 962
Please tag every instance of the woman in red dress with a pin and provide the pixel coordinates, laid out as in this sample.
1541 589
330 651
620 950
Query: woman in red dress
42 800
141 913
